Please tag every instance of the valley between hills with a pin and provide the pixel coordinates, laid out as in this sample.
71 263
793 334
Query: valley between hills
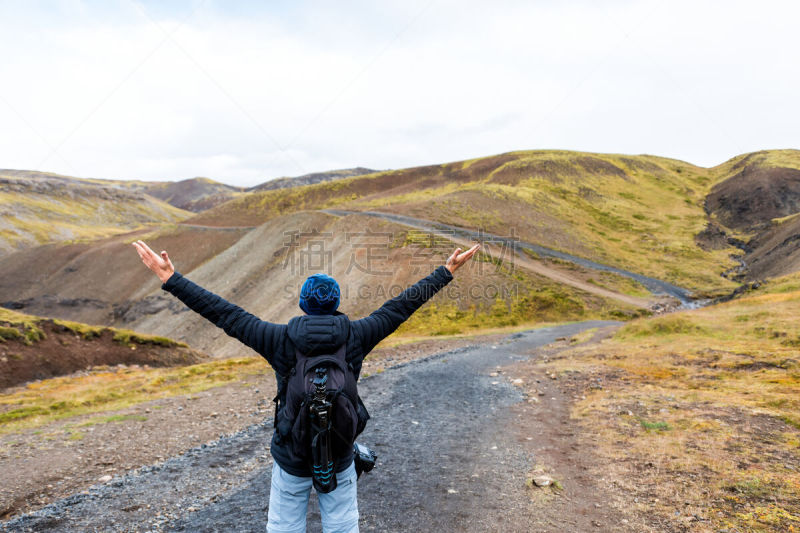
677 400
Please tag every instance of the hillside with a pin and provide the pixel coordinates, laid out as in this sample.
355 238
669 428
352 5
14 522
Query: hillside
34 348
196 194
755 201
41 208
636 212
643 214
92 281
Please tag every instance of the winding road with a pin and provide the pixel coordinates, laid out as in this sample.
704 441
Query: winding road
448 460
656 286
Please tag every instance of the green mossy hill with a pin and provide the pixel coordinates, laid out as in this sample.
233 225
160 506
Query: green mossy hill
28 329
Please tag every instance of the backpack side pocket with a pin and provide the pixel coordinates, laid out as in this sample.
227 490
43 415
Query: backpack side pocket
362 414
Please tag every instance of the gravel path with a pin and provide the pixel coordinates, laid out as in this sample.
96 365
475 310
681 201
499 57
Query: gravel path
447 461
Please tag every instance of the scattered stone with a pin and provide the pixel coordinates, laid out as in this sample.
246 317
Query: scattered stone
493 374
104 479
517 381
542 481
452 491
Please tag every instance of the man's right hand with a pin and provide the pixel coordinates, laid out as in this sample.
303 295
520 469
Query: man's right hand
458 258
160 265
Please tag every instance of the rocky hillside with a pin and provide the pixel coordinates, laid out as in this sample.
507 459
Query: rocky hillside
754 205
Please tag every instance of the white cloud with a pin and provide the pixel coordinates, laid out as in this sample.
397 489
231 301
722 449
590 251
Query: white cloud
242 95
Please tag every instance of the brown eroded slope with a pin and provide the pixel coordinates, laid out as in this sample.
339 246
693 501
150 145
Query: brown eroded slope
755 199
755 189
92 281
37 348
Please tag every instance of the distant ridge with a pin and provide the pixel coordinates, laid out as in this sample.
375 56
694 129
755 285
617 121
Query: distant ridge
311 179
195 194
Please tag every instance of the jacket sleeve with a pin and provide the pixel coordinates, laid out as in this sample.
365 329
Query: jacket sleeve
381 323
259 335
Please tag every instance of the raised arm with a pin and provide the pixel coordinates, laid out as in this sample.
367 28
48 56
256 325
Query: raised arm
382 322
257 334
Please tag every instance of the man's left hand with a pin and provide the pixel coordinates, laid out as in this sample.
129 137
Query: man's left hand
160 265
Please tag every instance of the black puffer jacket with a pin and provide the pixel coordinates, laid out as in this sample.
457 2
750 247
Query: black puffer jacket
310 334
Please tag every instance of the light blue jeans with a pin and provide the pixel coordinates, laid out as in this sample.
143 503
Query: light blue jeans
288 503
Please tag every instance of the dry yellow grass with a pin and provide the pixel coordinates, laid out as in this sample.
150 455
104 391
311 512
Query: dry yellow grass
698 413
110 389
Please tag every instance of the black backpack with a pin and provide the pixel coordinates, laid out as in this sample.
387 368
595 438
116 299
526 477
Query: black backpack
323 413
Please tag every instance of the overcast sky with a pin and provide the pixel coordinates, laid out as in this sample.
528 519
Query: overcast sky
265 89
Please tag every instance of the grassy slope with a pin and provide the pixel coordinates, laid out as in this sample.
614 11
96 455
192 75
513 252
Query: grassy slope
73 210
102 389
636 212
27 328
105 389
699 410
766 158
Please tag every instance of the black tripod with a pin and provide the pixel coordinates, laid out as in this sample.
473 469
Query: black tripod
320 410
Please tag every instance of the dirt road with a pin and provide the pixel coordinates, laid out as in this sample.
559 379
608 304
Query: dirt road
449 460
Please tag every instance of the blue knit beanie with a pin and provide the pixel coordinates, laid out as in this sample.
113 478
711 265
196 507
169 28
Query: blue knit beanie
319 295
